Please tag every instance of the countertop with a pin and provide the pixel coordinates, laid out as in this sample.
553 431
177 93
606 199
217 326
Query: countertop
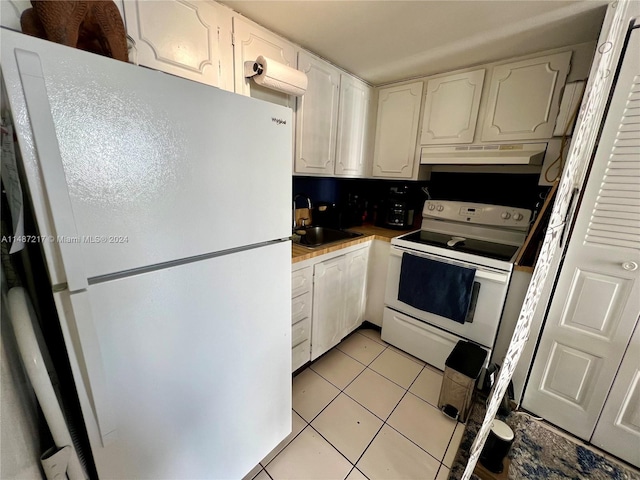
369 232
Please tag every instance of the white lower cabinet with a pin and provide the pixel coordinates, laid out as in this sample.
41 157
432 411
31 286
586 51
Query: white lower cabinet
377 280
338 299
355 289
300 316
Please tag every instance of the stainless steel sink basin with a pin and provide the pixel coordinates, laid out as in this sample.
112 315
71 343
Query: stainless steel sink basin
314 237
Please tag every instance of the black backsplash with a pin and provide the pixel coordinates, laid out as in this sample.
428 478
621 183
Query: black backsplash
514 190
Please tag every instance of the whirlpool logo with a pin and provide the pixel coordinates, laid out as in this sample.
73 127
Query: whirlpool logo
278 121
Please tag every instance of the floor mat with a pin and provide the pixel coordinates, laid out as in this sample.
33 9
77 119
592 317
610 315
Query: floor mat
540 452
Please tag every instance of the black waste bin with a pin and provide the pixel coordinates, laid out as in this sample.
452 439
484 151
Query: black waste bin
462 369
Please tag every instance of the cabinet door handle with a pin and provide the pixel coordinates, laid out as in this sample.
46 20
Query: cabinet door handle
630 266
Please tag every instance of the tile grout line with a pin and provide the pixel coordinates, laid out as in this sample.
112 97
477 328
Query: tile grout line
343 389
384 421
264 467
325 407
334 398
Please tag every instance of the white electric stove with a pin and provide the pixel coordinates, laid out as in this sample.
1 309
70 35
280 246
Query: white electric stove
482 237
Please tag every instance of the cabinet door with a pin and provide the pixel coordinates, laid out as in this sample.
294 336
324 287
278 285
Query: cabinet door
397 131
328 306
249 42
451 108
316 117
524 98
354 289
190 39
352 127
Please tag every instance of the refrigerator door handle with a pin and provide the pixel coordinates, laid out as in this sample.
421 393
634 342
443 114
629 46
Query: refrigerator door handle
93 371
55 182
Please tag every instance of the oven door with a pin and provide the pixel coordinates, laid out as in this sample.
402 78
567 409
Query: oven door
489 299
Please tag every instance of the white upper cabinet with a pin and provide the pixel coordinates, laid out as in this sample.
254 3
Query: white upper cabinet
249 42
397 131
524 98
451 108
353 113
190 39
316 117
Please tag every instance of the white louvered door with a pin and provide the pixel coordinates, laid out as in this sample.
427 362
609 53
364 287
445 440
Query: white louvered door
596 303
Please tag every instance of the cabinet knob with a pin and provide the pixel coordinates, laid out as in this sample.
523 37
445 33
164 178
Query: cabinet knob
506 215
630 266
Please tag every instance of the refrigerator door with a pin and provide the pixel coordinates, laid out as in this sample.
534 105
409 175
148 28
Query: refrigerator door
184 372
139 167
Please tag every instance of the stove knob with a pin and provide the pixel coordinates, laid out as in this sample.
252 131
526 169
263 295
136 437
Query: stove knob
440 208
506 215
518 216
431 206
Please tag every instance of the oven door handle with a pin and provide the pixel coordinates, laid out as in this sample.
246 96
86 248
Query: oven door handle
497 277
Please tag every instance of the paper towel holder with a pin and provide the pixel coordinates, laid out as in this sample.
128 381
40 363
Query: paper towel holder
252 68
277 76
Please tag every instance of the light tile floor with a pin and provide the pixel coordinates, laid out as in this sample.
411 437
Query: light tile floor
365 410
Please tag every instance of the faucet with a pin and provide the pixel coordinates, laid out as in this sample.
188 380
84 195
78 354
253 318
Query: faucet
295 224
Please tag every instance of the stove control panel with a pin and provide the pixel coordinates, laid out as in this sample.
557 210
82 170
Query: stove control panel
477 213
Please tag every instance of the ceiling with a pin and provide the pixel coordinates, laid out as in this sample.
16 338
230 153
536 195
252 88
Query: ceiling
389 40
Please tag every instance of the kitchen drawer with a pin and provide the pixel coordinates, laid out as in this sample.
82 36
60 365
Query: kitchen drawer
300 332
301 281
300 307
300 355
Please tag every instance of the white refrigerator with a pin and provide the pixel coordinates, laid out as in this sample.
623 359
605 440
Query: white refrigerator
163 210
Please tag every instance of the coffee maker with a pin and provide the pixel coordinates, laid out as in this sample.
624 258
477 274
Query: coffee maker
396 210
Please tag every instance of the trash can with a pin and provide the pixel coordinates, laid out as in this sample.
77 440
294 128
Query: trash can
462 369
497 446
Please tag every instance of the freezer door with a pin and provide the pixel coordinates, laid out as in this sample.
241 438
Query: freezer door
139 167
185 372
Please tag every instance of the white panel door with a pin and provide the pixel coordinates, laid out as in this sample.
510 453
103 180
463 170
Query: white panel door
328 305
524 98
187 367
317 117
618 428
249 42
355 289
352 127
397 130
188 38
596 302
451 108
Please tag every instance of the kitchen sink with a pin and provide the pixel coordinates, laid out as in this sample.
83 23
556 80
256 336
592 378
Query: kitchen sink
314 237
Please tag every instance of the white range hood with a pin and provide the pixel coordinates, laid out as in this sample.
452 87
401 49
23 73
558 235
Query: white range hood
511 154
